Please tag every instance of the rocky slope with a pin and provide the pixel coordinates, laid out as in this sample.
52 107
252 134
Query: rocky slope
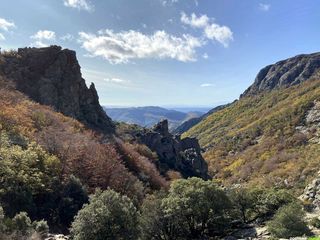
271 135
285 73
52 76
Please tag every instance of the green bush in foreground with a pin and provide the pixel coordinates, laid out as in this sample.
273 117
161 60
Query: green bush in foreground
193 209
288 222
21 227
315 222
107 216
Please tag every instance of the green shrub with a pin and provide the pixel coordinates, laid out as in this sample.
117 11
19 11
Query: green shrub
41 227
252 203
107 216
288 222
2 225
26 174
193 209
74 195
22 224
315 222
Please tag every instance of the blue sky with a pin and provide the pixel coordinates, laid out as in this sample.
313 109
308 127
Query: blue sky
166 52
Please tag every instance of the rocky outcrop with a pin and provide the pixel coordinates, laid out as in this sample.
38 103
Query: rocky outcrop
183 155
312 124
52 76
285 73
311 192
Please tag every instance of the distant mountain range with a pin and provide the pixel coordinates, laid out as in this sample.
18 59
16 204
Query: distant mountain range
150 115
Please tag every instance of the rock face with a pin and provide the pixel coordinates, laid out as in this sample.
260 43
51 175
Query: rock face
183 155
285 73
312 192
312 123
51 76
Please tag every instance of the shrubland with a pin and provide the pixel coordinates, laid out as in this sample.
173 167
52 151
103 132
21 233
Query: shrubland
191 209
50 163
256 140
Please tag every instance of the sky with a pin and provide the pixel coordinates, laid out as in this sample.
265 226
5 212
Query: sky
166 52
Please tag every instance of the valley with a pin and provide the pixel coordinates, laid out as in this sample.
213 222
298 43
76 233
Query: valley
159 120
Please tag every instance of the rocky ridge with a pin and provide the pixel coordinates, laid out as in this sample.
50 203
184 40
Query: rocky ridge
183 155
52 76
285 73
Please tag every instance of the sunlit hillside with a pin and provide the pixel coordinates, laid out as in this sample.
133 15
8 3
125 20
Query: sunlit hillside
259 140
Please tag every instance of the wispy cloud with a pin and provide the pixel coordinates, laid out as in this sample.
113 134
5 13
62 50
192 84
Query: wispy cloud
211 30
168 2
121 47
42 37
6 25
206 85
67 37
205 56
2 37
264 7
79 4
115 80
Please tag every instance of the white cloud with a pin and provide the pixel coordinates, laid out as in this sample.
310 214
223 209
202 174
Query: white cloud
67 37
6 25
44 35
39 44
123 46
205 56
168 2
194 21
211 30
206 85
114 80
264 7
79 4
2 38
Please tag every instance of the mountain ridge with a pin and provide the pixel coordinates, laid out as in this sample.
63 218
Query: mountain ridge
285 73
52 76
266 136
148 116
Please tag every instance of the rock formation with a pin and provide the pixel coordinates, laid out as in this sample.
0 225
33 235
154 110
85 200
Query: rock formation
312 123
311 192
286 73
51 76
183 155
